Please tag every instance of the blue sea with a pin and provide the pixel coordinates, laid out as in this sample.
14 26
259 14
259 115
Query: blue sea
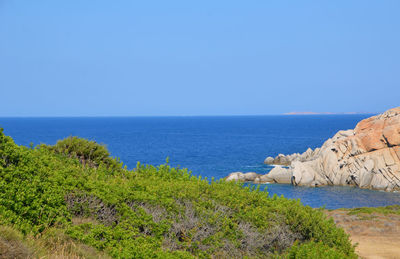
209 146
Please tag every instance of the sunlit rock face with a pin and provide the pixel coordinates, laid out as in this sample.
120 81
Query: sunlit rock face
367 157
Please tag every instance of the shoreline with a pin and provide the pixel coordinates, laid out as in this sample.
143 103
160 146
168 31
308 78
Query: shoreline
331 197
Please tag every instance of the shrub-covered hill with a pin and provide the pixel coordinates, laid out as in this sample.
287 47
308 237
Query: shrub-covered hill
74 197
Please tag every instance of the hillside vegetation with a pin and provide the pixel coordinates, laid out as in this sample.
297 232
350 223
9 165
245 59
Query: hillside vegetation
73 200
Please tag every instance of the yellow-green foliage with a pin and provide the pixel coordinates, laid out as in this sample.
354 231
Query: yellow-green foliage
88 152
157 212
52 243
313 250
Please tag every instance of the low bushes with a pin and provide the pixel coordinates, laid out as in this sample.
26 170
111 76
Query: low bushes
158 212
314 250
88 152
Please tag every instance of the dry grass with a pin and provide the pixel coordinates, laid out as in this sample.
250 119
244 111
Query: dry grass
12 245
52 244
55 244
377 234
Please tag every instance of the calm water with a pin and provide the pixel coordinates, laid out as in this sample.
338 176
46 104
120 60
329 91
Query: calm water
209 146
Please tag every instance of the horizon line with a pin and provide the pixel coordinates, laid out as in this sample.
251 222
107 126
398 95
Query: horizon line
218 115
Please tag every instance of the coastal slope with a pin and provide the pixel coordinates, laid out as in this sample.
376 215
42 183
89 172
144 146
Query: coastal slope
73 200
367 156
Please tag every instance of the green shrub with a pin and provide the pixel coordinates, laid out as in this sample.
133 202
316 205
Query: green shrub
158 212
88 152
313 250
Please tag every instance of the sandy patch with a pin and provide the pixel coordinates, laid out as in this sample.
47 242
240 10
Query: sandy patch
378 236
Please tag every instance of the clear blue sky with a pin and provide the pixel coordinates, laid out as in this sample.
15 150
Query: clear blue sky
128 58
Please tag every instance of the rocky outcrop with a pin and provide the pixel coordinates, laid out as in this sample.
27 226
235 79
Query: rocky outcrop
286 160
367 157
277 175
244 177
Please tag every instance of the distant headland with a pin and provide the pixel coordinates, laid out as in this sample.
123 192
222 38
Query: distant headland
326 113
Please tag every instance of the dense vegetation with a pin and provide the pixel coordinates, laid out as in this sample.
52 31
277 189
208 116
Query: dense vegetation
73 196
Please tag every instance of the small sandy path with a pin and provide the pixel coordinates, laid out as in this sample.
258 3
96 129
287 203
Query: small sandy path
378 236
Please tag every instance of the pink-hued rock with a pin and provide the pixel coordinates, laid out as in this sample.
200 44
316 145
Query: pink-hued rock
368 157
